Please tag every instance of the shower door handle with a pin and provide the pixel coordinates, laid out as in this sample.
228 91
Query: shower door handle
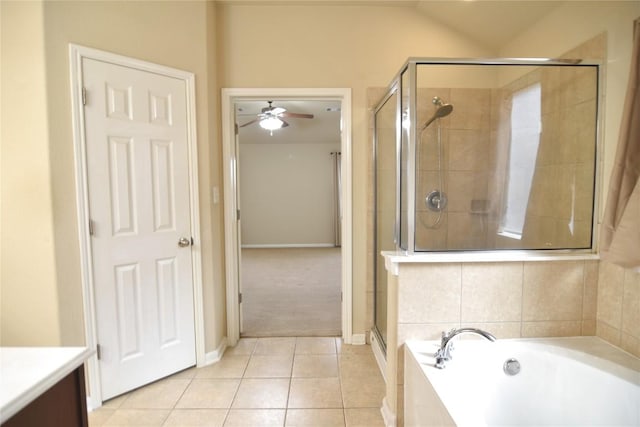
396 232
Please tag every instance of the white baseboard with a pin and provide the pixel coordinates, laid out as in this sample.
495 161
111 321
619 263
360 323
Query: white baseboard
358 339
92 404
389 418
379 354
289 245
216 354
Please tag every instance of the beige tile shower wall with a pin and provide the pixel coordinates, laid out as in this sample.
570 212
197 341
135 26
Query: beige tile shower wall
619 289
566 157
465 138
618 315
475 144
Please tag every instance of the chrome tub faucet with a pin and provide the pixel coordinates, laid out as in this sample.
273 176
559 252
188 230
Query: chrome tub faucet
446 346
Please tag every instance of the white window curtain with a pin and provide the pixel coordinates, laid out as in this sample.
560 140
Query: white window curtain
620 232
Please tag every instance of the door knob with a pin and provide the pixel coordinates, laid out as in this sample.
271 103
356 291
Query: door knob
184 242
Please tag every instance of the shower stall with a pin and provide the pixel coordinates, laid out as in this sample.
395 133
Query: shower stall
489 155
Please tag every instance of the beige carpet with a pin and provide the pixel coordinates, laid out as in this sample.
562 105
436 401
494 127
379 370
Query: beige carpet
291 292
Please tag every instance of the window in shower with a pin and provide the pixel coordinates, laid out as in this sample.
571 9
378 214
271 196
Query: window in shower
523 151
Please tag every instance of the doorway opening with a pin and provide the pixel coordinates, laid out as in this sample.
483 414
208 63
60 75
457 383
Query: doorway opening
287 212
289 197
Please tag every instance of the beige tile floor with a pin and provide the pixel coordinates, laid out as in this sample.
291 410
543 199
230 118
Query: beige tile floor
261 382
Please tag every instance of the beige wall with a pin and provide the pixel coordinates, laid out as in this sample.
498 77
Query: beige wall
333 46
287 193
29 313
47 268
168 33
216 314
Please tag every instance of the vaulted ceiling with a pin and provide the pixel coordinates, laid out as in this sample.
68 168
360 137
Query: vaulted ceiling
491 23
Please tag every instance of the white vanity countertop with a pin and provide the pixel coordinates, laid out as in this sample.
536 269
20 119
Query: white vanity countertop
27 372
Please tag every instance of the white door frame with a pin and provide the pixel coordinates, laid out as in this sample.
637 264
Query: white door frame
76 54
230 162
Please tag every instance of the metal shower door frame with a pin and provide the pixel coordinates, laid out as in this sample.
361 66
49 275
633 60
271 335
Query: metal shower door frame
410 66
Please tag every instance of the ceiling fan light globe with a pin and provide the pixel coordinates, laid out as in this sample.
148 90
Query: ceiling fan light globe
271 123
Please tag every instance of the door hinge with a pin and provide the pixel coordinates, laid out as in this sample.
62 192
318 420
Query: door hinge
91 227
238 214
192 241
84 96
98 351
236 128
239 298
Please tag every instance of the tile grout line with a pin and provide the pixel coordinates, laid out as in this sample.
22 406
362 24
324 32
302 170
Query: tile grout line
226 417
461 294
286 405
178 399
522 298
344 412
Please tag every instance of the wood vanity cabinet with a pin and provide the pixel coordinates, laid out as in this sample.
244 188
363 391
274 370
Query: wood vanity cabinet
63 405
43 386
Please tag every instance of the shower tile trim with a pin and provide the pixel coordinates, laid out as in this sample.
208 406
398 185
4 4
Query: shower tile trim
392 258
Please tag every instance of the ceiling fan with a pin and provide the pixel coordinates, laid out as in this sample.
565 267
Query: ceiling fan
271 118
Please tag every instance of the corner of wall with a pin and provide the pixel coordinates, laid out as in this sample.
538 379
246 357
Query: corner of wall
29 314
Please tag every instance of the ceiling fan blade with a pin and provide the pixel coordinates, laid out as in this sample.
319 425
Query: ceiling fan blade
248 123
278 110
297 115
284 124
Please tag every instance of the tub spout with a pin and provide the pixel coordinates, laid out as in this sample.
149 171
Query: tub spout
444 352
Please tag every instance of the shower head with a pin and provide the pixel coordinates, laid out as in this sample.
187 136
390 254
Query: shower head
442 111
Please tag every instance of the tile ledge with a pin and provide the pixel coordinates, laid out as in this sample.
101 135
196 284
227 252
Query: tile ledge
399 257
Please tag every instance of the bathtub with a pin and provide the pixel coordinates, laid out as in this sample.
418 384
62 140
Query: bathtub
578 381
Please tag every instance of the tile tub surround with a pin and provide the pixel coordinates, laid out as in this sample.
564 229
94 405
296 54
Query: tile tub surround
618 313
517 299
261 382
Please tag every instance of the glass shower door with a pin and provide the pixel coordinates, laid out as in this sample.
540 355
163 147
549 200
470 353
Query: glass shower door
385 133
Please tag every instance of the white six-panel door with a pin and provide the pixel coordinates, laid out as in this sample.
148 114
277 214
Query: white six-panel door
137 168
